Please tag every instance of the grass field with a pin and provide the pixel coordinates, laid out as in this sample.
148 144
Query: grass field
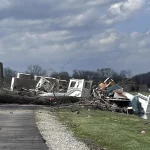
144 93
112 131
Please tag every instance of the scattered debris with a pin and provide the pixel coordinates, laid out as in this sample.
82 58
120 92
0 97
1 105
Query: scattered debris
110 96
27 89
143 132
46 91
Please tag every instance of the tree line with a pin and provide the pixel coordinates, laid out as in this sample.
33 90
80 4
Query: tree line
124 77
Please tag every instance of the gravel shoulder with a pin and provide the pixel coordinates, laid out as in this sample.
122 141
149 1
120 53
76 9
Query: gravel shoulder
56 135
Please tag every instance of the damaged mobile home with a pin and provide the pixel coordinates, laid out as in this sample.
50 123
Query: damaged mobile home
48 85
77 88
27 82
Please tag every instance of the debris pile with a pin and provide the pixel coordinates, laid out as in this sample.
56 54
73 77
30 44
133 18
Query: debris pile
27 89
109 96
49 91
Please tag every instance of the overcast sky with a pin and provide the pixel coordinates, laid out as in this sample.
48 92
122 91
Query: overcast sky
90 34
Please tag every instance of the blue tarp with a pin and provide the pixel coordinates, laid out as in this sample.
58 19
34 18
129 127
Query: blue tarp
112 88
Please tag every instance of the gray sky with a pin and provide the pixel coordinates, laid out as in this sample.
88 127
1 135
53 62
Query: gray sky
91 33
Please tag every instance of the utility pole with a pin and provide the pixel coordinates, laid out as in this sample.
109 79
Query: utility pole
1 74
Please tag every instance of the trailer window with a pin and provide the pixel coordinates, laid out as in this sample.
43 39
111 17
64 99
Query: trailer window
87 85
72 84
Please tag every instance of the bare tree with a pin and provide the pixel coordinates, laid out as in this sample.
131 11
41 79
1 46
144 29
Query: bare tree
36 70
125 73
8 74
62 75
106 73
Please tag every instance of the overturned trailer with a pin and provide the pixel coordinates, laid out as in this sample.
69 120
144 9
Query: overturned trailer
145 102
140 103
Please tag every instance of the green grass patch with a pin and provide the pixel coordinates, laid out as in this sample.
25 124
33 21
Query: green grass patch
144 93
110 130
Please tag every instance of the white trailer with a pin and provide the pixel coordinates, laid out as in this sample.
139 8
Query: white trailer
77 88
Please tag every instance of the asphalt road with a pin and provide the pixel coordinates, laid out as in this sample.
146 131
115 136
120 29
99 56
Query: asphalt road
18 130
